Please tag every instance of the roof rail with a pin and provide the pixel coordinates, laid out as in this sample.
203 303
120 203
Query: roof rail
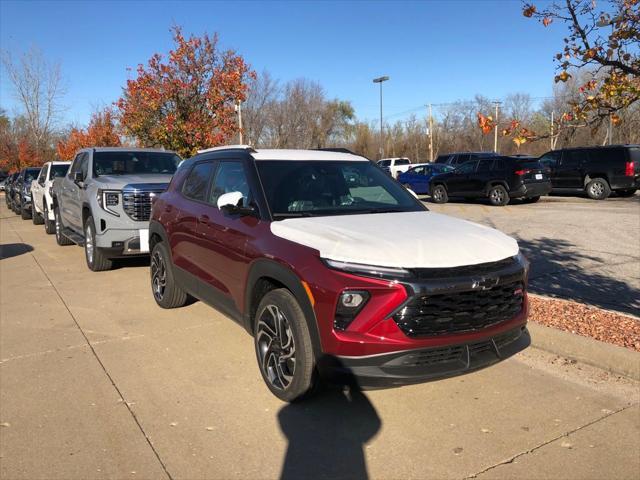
227 147
336 149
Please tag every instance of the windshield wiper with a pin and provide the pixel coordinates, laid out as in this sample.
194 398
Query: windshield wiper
293 215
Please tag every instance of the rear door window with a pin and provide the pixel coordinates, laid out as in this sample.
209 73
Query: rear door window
550 159
196 185
484 165
403 161
460 159
573 158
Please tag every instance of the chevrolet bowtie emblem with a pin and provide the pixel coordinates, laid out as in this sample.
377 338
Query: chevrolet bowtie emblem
484 283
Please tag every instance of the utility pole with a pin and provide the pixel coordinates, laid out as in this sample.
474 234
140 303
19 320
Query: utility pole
380 80
239 110
430 135
495 136
551 136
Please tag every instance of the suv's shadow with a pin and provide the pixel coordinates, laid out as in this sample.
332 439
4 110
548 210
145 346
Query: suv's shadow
557 269
326 434
9 250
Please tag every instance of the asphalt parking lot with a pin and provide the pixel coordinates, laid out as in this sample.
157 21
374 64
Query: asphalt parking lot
96 381
579 248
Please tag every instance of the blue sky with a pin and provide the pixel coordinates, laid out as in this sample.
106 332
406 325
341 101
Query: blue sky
434 51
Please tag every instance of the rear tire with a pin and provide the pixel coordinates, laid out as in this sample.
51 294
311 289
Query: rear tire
60 238
24 213
49 225
439 194
627 192
283 346
598 189
36 217
97 261
498 196
166 292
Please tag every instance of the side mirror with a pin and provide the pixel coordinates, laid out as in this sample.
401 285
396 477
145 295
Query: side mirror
232 203
77 177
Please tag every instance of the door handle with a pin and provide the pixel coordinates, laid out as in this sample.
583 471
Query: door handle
203 219
168 208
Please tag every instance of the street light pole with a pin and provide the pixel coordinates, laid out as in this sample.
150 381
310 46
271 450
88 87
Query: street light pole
495 135
380 80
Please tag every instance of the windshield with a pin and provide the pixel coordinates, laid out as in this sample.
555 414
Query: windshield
310 188
126 163
31 174
58 171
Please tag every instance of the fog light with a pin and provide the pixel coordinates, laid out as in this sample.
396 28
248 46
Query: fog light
350 303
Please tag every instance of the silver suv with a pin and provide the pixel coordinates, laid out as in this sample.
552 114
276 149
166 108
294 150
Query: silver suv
104 201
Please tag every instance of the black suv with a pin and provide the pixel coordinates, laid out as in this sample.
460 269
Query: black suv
595 170
497 178
22 191
463 157
8 189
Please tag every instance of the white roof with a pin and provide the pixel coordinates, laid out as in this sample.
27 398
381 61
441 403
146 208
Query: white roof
282 154
290 154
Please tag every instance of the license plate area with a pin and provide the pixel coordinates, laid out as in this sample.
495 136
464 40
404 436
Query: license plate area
144 240
538 176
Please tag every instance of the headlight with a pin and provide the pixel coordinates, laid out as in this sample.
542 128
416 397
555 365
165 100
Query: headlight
107 199
367 270
349 305
522 260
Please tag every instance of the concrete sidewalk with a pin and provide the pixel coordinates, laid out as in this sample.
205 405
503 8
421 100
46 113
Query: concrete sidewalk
96 381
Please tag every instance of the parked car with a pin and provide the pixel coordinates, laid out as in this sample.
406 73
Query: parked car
395 166
22 191
41 192
497 178
463 157
283 243
8 194
417 178
104 201
595 170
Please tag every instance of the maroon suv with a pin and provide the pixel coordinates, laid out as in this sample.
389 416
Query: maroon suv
326 260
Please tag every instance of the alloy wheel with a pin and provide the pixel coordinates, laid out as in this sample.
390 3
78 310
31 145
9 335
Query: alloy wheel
276 347
497 195
597 189
158 275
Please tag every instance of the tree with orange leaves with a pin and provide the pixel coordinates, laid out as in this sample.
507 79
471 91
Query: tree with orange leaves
101 132
188 101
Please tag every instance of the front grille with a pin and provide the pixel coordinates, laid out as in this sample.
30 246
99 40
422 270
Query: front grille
137 200
449 272
458 312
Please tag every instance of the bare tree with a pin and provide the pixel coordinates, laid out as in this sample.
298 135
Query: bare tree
39 90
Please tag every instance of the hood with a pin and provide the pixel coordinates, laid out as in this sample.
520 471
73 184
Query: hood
116 182
407 239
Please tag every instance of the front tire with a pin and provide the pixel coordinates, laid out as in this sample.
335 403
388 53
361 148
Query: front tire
166 292
439 194
498 196
283 346
60 238
598 189
96 259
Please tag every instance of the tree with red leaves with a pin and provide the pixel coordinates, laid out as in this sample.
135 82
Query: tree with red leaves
187 102
101 132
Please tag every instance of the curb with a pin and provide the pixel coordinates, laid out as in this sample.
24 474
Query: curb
605 356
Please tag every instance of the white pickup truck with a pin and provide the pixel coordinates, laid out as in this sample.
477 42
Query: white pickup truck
42 211
395 166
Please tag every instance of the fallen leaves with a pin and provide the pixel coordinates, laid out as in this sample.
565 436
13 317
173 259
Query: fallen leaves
585 320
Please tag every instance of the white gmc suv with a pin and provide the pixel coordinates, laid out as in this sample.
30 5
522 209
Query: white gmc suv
41 194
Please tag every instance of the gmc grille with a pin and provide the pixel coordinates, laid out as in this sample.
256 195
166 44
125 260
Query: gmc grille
137 202
457 312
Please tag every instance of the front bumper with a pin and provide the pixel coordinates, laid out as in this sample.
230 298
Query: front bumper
421 365
123 242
